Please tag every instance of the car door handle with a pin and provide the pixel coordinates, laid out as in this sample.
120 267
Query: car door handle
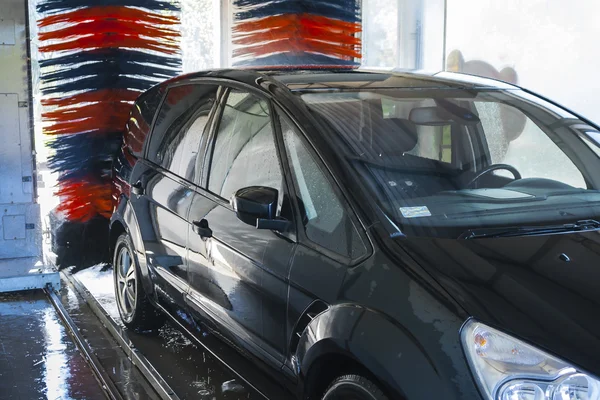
202 229
137 188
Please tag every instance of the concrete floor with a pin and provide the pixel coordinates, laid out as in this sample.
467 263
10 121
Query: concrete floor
38 360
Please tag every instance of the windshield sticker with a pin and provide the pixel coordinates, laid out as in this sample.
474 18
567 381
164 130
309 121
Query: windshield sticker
415 212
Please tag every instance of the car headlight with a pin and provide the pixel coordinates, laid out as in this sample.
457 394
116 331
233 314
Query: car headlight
508 369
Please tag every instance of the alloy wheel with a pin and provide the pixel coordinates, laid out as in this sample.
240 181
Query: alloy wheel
126 283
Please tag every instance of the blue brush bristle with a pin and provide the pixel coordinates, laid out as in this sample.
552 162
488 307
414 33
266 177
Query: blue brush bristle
99 82
83 154
346 10
111 68
56 6
102 55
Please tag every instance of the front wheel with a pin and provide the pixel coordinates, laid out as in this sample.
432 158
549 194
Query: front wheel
353 387
134 307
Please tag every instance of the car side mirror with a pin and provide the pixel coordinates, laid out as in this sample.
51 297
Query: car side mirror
257 206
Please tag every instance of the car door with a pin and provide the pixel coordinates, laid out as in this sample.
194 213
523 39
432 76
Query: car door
166 186
330 237
238 272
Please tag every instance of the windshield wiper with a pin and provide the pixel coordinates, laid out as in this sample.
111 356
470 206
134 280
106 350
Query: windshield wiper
579 226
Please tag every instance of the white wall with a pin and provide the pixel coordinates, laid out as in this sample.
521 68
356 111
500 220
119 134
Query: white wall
20 247
405 34
433 35
380 35
552 44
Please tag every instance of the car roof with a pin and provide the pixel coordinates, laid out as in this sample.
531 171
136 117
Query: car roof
373 79
325 79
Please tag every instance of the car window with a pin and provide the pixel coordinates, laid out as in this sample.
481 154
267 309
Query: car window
148 103
141 118
179 126
193 133
526 146
327 221
514 161
244 151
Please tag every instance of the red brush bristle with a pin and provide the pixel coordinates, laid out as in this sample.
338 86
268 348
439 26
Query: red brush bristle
82 200
109 26
296 33
281 21
118 111
307 33
298 44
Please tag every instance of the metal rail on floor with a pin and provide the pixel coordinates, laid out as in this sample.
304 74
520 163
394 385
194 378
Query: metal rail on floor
110 390
120 335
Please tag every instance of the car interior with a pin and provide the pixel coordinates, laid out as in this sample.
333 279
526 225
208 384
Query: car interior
467 161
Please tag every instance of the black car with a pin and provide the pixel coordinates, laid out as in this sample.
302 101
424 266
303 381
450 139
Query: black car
368 235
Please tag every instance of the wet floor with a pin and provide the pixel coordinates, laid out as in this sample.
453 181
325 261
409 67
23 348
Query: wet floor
38 360
190 370
128 379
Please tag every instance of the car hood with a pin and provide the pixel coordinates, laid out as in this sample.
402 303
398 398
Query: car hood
543 289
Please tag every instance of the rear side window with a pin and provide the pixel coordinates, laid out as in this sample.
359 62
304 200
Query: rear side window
140 120
180 124
149 102
244 151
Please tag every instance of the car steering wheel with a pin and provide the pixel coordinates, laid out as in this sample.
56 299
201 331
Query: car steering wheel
492 168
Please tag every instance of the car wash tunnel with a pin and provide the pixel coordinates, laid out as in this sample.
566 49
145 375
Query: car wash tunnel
299 199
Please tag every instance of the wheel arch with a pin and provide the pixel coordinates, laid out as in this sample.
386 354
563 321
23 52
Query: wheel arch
118 226
368 341
329 360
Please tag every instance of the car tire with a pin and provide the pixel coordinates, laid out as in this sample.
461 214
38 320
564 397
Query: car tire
136 311
353 387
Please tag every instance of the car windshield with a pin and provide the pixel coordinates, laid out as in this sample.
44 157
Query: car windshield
440 162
